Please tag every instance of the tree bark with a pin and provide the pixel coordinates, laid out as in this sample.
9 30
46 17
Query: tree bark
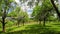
57 11
3 24
3 20
44 22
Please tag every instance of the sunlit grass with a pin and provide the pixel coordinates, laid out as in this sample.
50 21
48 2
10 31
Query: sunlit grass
33 28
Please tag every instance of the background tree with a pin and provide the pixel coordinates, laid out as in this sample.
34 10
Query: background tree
40 12
5 4
24 17
19 15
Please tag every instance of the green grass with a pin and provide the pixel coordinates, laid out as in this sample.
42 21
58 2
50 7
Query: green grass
34 28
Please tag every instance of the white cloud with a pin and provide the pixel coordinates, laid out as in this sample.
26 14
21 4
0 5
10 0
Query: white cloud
17 1
24 7
59 2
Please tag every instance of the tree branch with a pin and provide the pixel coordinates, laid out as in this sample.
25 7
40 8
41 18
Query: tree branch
57 11
5 22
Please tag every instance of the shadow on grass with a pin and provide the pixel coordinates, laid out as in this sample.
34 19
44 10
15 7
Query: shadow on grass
2 32
35 29
57 24
10 29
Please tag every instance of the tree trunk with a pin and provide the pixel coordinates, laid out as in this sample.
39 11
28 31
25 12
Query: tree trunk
3 20
44 22
3 24
57 11
18 24
40 22
23 22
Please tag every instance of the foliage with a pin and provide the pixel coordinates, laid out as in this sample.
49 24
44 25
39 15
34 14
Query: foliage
24 16
40 12
14 13
21 15
36 10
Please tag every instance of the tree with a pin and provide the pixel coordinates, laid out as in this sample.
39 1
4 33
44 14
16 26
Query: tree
22 17
57 11
40 12
14 14
4 4
19 15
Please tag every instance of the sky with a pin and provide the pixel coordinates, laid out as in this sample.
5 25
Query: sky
27 8
24 7
59 2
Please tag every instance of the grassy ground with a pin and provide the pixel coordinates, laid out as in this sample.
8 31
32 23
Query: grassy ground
34 28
